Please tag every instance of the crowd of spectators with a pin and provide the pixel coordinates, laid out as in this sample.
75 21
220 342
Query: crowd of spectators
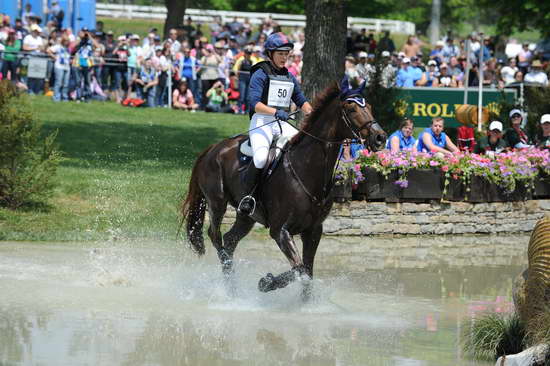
212 74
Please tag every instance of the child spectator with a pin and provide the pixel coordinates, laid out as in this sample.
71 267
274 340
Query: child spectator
62 69
493 142
183 98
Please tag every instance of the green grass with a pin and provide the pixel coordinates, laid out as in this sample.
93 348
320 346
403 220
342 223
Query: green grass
138 26
124 174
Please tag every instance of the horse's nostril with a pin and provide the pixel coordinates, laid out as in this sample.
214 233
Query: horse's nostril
380 139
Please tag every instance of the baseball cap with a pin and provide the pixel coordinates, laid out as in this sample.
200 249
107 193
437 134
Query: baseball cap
432 63
516 111
36 27
406 60
135 36
496 125
363 54
401 54
110 33
385 54
545 118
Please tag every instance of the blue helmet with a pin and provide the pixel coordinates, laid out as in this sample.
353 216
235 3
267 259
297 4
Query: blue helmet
278 42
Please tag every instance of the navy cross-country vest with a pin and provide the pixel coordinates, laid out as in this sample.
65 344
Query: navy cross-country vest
277 92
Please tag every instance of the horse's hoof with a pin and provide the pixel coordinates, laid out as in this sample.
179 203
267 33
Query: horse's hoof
267 283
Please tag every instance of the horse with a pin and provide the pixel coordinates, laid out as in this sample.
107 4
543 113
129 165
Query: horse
295 199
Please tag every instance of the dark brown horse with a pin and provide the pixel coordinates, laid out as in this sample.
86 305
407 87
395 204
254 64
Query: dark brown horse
295 199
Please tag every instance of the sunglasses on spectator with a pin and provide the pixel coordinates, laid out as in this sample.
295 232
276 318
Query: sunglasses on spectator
516 116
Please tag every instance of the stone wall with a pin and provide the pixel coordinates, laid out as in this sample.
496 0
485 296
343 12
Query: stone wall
357 218
373 218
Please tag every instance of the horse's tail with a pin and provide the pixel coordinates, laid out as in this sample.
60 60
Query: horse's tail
193 208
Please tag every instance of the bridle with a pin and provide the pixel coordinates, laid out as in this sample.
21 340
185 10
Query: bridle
360 101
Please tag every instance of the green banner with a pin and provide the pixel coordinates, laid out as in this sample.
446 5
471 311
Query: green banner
423 104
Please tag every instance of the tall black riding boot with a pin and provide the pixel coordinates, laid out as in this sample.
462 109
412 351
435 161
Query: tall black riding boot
248 203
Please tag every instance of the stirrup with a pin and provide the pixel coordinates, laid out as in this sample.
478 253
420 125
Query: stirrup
252 202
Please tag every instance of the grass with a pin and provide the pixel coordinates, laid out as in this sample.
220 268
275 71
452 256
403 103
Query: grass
124 173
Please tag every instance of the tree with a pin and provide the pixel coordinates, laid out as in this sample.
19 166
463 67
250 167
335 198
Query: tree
520 15
325 45
175 13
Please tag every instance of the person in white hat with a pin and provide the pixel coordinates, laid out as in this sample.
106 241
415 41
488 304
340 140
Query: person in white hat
493 143
406 75
515 136
364 69
543 140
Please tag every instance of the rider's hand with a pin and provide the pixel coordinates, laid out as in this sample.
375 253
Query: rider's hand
281 115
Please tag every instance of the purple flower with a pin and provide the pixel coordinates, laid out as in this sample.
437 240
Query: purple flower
403 183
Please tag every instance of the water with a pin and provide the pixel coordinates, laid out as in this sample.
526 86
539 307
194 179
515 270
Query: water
376 302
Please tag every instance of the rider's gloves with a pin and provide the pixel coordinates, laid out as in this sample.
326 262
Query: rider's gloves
281 115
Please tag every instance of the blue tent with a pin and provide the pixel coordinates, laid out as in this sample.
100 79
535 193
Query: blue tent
78 13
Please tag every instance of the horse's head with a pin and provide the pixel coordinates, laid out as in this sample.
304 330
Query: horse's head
358 117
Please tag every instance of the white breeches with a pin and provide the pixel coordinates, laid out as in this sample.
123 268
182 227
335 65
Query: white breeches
261 138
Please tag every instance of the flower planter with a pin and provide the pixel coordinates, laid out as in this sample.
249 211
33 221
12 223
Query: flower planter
378 187
341 192
542 186
424 184
495 193
477 190
455 190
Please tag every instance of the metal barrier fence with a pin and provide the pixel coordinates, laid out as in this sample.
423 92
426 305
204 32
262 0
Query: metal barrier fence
287 20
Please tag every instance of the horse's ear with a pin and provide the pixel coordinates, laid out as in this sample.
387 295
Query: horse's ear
344 85
362 86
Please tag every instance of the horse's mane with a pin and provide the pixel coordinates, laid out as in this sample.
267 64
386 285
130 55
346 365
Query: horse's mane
321 101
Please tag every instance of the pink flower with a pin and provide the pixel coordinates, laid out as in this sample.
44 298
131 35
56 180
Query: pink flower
445 168
434 163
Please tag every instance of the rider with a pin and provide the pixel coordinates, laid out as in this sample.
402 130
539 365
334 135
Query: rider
271 91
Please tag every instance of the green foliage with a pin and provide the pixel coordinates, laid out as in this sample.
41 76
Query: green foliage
384 101
540 333
520 15
493 335
27 161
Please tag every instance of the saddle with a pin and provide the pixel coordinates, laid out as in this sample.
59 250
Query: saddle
276 153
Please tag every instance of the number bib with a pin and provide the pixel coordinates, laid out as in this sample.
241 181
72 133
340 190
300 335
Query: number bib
279 93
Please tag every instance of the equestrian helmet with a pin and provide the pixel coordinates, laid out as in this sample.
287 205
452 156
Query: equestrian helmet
278 42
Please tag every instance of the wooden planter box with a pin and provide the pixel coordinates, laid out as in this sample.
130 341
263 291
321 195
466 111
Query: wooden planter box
424 184
495 193
455 190
542 186
341 191
377 187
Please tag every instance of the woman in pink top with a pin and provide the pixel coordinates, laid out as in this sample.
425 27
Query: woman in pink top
183 98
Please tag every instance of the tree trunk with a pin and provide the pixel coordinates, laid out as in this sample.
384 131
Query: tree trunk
325 44
174 16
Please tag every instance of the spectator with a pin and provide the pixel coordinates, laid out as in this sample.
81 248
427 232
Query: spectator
386 43
518 77
187 68
406 76
434 140
388 70
173 40
524 58
296 64
209 71
515 136
411 47
536 75
508 72
62 69
493 143
465 138
402 139
135 56
437 53
351 70
543 139
27 15
183 98
431 74
364 69
121 68
83 60
242 68
450 50
162 65
12 46
33 42
217 98
146 83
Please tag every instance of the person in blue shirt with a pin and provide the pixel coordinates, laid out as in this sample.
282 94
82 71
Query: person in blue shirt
405 75
434 140
402 139
272 89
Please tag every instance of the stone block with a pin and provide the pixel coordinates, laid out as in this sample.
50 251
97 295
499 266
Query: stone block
443 228
531 206
464 229
341 210
544 204
416 207
427 229
406 229
462 206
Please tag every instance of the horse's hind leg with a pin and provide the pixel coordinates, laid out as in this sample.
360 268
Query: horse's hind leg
241 227
216 211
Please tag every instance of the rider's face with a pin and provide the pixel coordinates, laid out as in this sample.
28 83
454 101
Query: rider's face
279 58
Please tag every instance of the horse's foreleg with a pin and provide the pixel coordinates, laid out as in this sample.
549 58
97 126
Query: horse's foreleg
241 228
216 212
288 247
310 242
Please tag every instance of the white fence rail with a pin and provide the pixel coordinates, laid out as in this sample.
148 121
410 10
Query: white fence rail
286 20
